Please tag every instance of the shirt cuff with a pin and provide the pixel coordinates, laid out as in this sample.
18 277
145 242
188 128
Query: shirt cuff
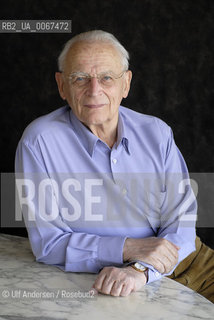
110 251
153 274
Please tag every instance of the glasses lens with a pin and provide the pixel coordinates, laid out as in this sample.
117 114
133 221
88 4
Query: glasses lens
105 79
79 80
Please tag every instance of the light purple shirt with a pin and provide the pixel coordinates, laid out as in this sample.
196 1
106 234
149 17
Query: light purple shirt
83 199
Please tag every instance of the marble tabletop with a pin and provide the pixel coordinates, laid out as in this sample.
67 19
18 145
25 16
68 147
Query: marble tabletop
32 290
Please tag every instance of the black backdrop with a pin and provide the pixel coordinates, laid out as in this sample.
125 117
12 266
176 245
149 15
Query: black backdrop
171 48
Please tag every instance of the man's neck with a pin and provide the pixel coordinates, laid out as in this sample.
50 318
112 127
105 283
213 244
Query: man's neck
106 133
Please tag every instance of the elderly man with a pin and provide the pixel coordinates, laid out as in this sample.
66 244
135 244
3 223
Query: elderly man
109 190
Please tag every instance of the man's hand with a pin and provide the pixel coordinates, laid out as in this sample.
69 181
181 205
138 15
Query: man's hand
119 281
160 253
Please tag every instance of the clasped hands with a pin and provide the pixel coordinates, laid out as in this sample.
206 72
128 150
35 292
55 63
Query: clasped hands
160 253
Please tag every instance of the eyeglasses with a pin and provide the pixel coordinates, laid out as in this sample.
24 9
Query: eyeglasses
105 79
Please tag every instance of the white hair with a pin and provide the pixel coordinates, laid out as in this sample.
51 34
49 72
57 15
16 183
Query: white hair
92 36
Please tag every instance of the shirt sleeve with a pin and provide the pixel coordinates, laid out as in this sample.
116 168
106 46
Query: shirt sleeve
178 211
52 240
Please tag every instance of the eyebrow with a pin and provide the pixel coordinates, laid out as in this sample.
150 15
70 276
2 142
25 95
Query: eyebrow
86 73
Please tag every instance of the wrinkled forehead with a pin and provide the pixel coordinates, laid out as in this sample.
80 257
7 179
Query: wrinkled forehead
87 56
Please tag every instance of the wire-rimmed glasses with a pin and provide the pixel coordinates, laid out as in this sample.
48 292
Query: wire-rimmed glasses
105 79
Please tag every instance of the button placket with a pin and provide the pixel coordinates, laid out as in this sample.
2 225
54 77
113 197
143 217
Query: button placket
116 173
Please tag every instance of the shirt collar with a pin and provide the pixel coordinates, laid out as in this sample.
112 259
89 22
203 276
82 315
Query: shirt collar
89 140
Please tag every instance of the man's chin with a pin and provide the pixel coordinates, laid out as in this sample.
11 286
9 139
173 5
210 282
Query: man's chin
94 122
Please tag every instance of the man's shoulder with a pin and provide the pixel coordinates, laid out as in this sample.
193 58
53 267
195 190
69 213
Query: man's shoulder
46 124
138 120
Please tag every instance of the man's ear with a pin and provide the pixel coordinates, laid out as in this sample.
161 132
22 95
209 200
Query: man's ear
60 84
128 78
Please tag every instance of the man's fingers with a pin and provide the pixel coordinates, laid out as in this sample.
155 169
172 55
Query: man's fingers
158 264
173 249
167 254
176 247
169 261
166 265
166 262
105 281
111 286
107 286
99 281
162 264
126 290
168 248
172 244
116 288
163 256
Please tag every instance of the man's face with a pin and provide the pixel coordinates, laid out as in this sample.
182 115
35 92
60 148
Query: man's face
94 100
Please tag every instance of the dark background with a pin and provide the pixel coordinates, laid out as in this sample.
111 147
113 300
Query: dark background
172 55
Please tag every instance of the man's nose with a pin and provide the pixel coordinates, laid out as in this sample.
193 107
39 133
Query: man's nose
94 87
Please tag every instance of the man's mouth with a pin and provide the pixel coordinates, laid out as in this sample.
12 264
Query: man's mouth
94 106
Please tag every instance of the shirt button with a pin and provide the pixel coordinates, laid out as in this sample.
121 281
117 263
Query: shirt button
157 274
114 161
124 191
